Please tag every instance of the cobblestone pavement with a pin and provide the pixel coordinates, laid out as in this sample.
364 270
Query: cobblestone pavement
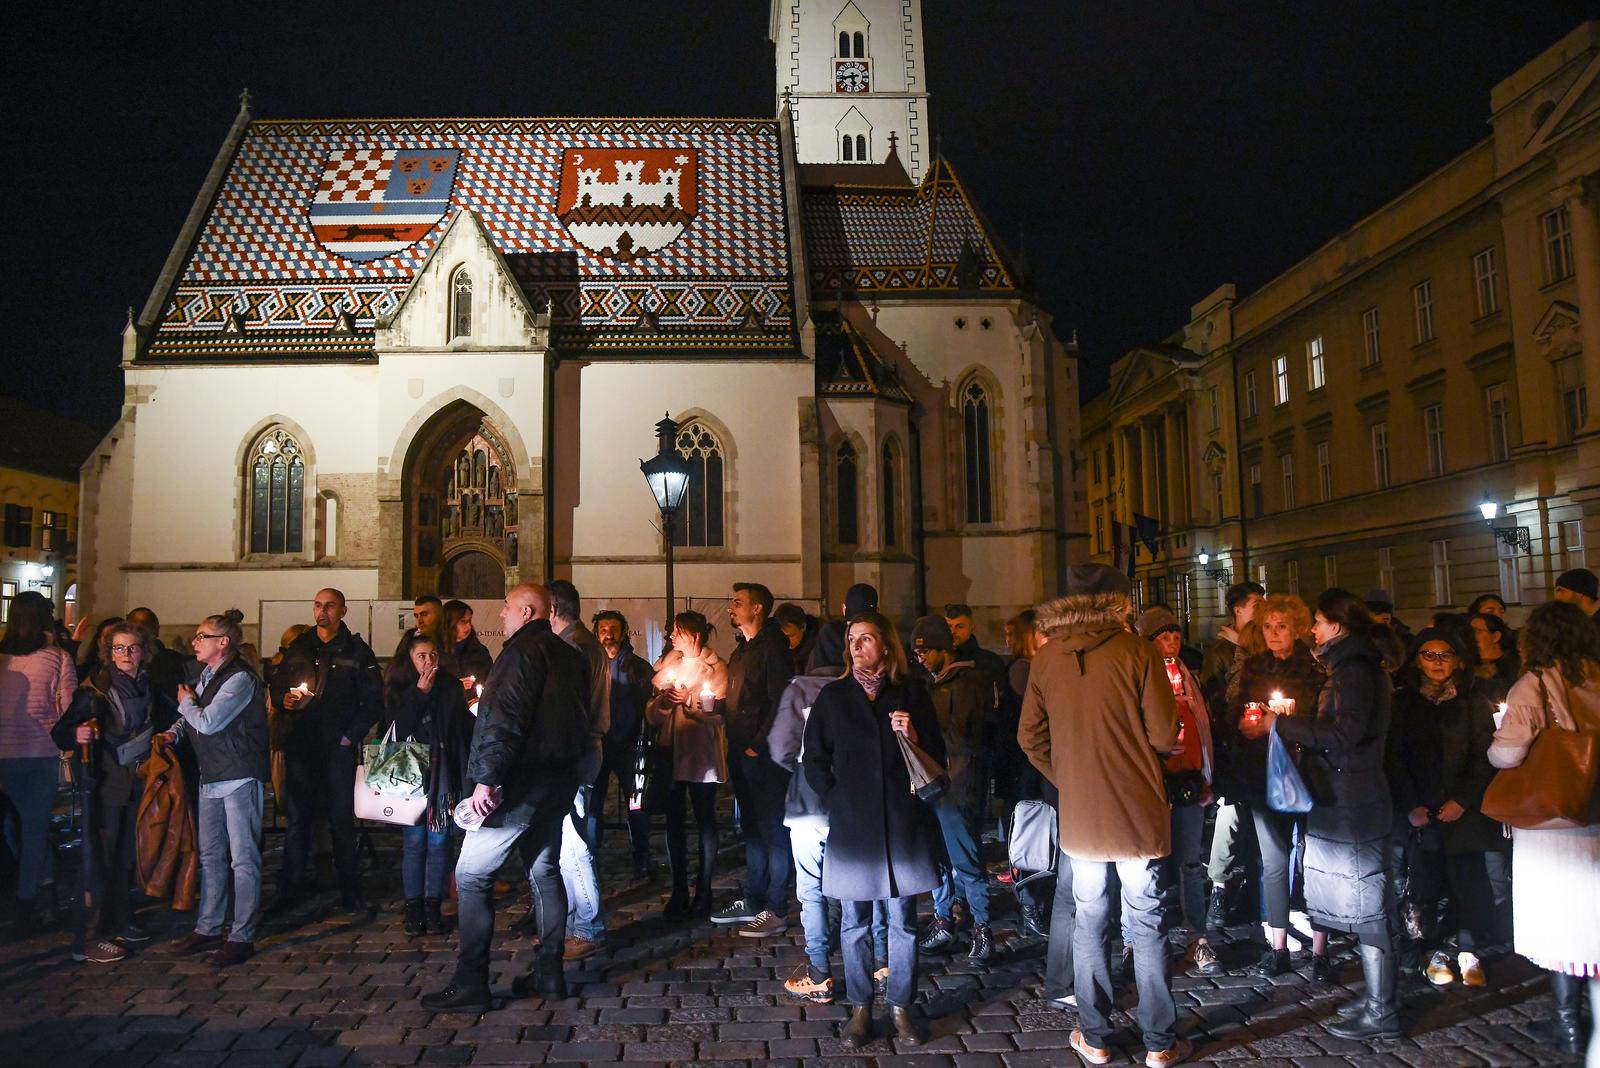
334 992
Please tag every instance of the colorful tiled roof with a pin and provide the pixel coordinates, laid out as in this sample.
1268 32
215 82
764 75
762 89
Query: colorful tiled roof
888 239
847 363
318 219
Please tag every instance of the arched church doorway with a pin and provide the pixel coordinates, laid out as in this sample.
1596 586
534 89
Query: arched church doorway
460 506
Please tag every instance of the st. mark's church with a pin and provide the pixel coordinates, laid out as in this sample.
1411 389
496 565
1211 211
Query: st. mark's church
400 356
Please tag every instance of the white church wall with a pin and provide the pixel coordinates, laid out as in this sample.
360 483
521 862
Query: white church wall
183 598
105 519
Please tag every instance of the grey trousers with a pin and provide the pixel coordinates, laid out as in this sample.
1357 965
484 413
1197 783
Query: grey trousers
1233 823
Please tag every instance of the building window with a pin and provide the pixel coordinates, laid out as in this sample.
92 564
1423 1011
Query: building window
1316 376
1555 228
50 527
1483 282
1422 304
700 519
847 149
1214 403
461 304
1216 496
1441 573
18 527
976 448
1257 503
1380 455
1286 467
1094 463
1251 407
1324 471
852 45
1386 571
1280 380
1574 395
1330 571
1291 577
1369 337
1509 557
1433 434
1573 555
1499 422
891 497
1261 576
277 474
1099 532
8 590
844 468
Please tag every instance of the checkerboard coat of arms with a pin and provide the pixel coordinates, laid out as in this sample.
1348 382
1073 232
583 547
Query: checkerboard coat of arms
373 202
625 203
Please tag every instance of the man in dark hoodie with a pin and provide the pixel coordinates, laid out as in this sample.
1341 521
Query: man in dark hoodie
625 691
758 672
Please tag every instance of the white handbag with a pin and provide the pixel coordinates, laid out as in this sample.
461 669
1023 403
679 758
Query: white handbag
387 808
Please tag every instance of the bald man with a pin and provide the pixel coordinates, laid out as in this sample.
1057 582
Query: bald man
531 735
329 689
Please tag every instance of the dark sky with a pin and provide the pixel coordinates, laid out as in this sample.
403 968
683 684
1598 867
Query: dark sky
1139 153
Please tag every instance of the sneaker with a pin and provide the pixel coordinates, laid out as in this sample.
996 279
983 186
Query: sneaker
880 981
232 953
1065 1002
1092 1054
1161 1058
132 934
1205 959
960 915
982 947
1439 973
1273 963
575 948
1471 970
766 924
738 912
99 951
808 984
940 937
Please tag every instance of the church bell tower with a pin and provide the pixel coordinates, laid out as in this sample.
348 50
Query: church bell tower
852 74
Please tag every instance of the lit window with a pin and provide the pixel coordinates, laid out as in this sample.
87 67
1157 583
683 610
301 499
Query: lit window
1316 376
1251 407
1441 573
1286 468
49 527
1555 227
1369 336
1483 282
1422 304
1433 434
977 453
845 489
461 304
277 478
1324 471
1380 455
1280 380
1499 422
700 520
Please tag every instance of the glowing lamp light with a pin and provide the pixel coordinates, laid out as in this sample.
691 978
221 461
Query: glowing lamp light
1489 508
1203 557
667 473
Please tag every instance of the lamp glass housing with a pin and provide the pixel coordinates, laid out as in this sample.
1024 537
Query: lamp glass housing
1489 508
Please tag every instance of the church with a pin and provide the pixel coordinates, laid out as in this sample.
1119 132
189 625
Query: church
406 356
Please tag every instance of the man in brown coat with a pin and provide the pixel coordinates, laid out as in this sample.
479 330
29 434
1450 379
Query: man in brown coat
1097 716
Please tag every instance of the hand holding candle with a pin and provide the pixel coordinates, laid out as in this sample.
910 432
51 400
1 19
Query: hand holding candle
1281 705
708 700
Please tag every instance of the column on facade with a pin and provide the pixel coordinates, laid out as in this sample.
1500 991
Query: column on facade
1150 501
1130 477
1585 223
1177 482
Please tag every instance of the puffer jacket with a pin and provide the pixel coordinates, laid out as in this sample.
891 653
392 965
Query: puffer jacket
168 855
786 742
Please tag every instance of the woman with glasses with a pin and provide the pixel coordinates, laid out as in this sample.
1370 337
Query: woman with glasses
36 684
884 843
112 716
1438 768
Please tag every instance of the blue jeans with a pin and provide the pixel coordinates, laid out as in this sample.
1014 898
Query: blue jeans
230 841
31 783
483 850
966 867
808 840
424 861
584 916
1141 911
1187 874
856 936
760 786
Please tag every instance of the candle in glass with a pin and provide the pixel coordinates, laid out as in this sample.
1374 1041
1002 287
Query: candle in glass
1281 705
708 699
1500 715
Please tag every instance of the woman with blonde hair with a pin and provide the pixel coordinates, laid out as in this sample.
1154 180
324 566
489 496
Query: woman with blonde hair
854 763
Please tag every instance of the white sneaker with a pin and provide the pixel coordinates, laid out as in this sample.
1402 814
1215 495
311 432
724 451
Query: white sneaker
738 912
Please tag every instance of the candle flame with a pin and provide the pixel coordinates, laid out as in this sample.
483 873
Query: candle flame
1504 706
1277 695
705 690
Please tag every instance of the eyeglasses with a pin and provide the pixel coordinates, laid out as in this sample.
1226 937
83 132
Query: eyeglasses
1436 657
126 650
208 637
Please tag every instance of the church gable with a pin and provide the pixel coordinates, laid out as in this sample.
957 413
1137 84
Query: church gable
637 233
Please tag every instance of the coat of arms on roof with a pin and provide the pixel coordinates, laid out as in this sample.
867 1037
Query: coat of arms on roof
372 202
625 203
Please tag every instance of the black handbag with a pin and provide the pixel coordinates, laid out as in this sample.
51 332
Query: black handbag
652 769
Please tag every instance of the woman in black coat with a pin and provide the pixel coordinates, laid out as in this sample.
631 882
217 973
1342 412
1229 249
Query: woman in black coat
1347 830
884 844
1498 665
1438 764
428 705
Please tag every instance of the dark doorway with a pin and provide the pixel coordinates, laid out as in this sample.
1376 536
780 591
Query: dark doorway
472 576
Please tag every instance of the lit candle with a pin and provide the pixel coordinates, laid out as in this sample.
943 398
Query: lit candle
1281 705
672 680
477 695
303 690
1500 715
708 699
1252 711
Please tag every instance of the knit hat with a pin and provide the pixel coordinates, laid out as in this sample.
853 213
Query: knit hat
1155 621
1580 580
862 597
1090 579
932 632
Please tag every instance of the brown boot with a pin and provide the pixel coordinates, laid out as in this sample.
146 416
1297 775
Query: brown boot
858 1032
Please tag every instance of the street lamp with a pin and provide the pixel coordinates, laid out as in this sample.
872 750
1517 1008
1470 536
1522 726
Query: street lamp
667 475
1514 537
1219 574
1489 507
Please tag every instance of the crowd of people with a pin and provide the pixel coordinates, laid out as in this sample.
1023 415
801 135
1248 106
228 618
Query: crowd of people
865 767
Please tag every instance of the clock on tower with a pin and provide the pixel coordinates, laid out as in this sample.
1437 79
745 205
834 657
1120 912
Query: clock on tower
851 76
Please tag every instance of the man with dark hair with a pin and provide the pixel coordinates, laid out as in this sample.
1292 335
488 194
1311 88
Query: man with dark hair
330 688
1233 823
168 668
627 689
587 921
531 732
959 618
758 672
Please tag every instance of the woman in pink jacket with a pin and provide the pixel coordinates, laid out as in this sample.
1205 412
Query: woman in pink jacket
36 684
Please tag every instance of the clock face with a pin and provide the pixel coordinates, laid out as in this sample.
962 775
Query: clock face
851 76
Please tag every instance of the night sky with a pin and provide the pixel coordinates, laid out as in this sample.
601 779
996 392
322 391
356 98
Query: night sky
1136 154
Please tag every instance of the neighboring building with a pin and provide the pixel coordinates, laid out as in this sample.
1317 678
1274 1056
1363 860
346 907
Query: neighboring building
414 355
1429 360
39 457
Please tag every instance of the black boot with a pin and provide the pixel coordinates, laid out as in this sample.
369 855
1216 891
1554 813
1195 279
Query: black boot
1217 908
433 912
858 1032
1564 1029
416 924
548 980
677 905
1380 1013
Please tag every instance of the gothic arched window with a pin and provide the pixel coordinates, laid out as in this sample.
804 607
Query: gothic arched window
861 148
859 39
700 518
847 149
846 498
977 452
890 483
276 472
461 304
844 46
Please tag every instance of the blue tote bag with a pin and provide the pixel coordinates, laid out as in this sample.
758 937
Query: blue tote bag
1286 790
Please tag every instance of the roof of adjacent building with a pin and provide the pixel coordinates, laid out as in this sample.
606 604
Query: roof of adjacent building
314 230
848 365
42 442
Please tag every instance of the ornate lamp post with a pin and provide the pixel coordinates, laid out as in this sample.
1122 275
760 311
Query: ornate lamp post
667 475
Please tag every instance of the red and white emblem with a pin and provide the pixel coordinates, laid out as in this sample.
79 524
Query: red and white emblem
625 203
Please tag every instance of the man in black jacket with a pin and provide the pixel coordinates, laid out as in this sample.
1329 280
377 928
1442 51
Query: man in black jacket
532 730
758 673
330 687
